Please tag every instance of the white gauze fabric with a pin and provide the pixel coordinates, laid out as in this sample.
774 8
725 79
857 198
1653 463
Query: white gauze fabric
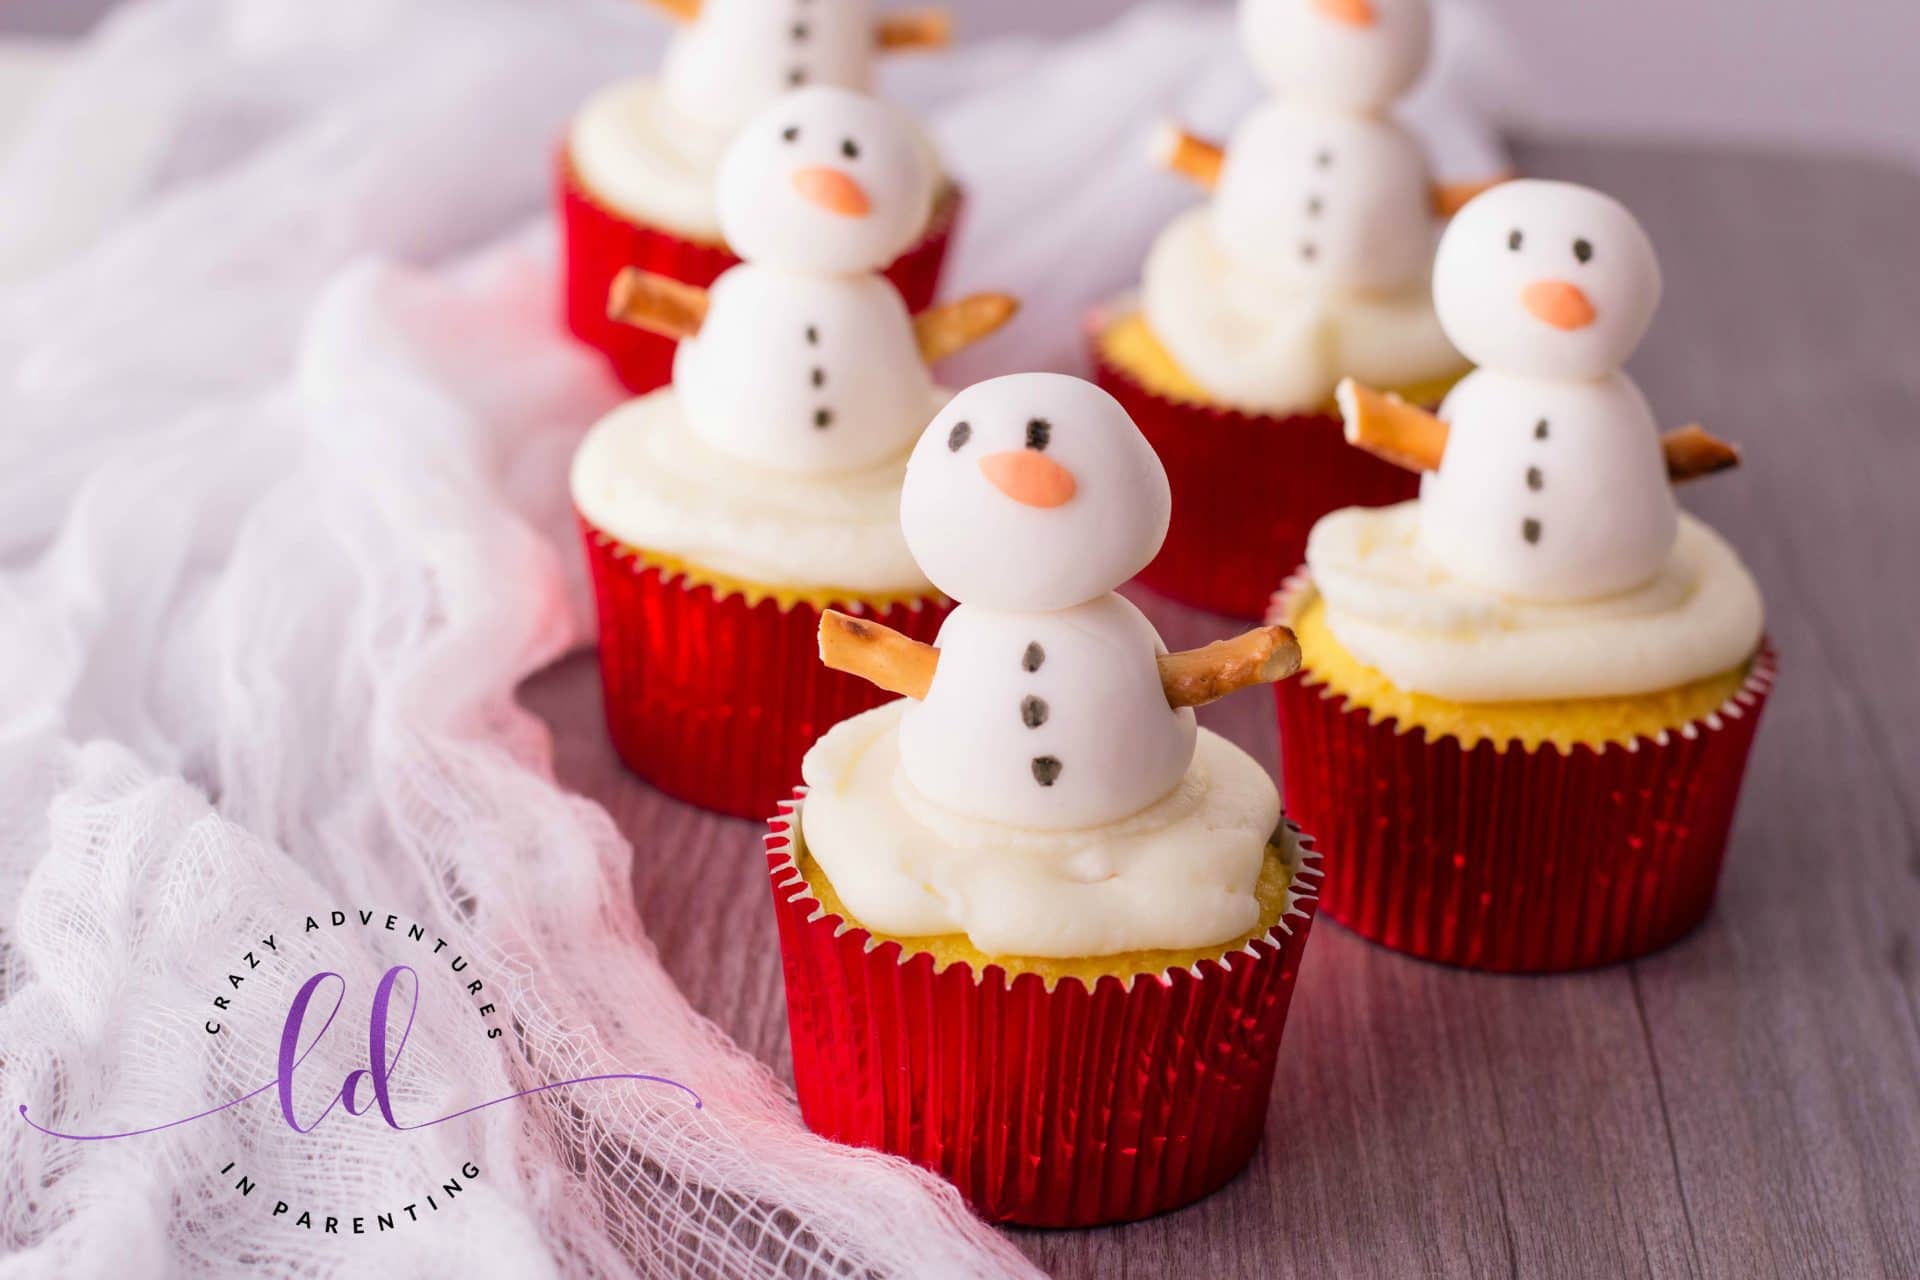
285 413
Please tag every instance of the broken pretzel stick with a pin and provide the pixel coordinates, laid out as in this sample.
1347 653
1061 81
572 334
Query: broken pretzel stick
915 29
953 326
678 10
888 660
1190 156
1693 453
1388 427
1195 677
1450 198
877 654
657 304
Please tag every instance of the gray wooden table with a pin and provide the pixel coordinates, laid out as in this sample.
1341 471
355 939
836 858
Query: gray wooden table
1746 1103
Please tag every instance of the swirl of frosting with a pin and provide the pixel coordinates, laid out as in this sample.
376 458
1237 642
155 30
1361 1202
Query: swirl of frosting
1178 875
638 156
1268 348
1396 609
644 478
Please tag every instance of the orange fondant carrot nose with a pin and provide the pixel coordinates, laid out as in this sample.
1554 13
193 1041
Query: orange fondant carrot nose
833 191
1562 305
1029 477
1354 13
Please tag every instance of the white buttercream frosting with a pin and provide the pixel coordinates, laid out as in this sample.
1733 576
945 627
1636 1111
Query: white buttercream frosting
1179 874
640 157
1265 347
1397 609
645 479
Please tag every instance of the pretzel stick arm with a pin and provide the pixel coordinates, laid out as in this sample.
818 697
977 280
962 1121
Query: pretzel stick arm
678 10
915 29
657 304
877 654
1390 428
1450 198
1196 677
1190 156
954 326
1693 453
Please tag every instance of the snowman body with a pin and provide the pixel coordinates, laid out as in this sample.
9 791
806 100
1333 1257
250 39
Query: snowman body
1549 489
1052 721
1321 200
740 55
807 373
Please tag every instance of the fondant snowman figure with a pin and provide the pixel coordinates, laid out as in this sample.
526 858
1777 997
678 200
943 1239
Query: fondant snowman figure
1553 484
1050 702
803 357
1029 500
1320 189
1548 476
734 57
1311 260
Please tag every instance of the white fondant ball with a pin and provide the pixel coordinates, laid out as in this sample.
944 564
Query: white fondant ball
740 55
1534 235
981 546
1073 697
1549 490
1359 55
1320 201
779 350
832 141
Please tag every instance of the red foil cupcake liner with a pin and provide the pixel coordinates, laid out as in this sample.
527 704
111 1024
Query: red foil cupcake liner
1515 860
712 699
597 244
1247 489
1061 1107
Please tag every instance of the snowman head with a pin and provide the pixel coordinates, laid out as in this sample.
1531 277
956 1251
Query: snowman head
1546 280
825 181
1356 55
739 55
1033 493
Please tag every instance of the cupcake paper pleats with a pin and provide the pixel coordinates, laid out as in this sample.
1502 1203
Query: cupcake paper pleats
713 694
1061 1106
1501 858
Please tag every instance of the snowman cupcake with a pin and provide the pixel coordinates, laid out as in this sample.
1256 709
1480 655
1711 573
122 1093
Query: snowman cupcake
1530 694
636 180
1310 262
1039 930
724 513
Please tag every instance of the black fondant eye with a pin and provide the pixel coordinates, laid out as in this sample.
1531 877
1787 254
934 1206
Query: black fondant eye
1583 250
1039 433
791 133
1515 240
958 437
850 149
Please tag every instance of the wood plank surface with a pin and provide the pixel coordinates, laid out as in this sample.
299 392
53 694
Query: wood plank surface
1746 1103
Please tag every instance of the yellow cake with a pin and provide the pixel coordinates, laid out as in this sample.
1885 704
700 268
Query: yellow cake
1276 879
1564 723
693 576
1129 344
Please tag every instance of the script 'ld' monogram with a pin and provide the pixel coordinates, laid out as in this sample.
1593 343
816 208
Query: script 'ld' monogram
373 1078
